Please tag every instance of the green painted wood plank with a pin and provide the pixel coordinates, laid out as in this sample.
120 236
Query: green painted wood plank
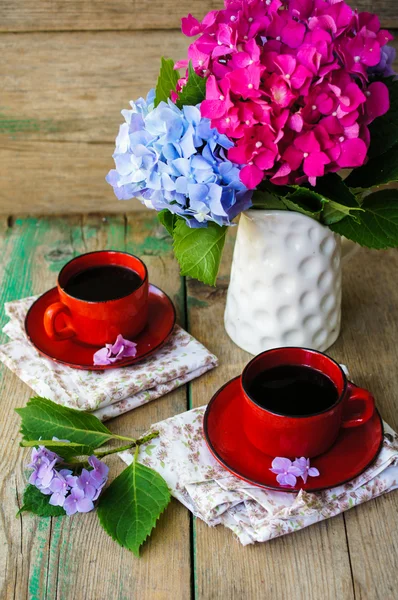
31 250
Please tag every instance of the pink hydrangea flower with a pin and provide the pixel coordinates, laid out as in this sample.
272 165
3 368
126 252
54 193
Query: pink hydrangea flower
111 353
301 69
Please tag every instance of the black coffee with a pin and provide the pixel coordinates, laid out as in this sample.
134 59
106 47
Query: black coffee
107 282
293 390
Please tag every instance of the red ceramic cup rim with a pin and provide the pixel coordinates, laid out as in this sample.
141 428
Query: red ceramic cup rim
62 287
281 351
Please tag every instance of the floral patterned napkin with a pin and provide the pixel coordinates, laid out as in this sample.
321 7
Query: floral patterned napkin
254 514
105 393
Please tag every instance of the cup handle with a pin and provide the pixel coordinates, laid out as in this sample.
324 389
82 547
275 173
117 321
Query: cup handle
50 315
358 395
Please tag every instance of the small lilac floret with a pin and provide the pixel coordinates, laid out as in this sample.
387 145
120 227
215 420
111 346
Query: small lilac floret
59 488
99 474
113 352
43 474
306 470
286 472
39 453
84 483
77 502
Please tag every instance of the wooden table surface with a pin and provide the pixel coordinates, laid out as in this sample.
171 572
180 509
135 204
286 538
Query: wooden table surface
350 557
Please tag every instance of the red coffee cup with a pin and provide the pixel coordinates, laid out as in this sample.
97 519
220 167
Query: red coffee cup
100 322
309 435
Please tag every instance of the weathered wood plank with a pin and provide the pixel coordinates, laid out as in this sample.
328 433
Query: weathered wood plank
24 541
47 15
74 558
75 15
309 565
72 86
368 346
57 178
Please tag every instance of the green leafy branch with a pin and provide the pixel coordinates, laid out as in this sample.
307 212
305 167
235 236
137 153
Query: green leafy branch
132 503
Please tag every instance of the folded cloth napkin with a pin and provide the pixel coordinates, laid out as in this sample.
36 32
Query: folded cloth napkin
105 393
254 514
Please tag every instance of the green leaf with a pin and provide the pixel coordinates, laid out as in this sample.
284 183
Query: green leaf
384 129
379 222
66 450
167 80
377 171
341 200
194 91
333 212
36 502
305 201
131 505
267 200
168 220
199 250
332 187
42 416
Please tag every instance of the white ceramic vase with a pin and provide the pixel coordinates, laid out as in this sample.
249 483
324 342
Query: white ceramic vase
285 287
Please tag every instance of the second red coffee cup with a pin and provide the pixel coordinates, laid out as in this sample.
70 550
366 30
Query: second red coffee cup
292 435
98 322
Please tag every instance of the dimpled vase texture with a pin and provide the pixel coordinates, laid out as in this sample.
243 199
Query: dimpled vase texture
285 287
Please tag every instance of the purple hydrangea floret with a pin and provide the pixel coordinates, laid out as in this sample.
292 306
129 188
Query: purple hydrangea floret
59 487
287 471
99 473
113 352
73 493
77 501
306 470
171 158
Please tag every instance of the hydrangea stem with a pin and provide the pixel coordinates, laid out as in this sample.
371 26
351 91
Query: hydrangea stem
133 444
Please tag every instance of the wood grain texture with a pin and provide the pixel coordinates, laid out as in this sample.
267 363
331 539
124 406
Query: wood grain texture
57 178
72 86
368 345
309 565
61 15
51 15
74 558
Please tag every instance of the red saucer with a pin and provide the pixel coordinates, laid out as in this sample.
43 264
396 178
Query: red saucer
355 448
161 321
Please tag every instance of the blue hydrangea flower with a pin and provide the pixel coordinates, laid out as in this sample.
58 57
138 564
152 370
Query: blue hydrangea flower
171 158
